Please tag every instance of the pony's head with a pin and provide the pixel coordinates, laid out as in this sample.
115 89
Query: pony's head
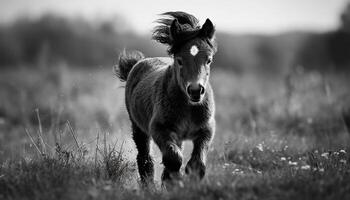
192 48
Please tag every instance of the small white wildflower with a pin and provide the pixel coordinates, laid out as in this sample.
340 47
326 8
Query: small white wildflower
310 120
107 187
260 147
336 153
321 170
218 183
236 171
283 158
316 151
342 151
325 155
305 167
292 163
225 165
181 184
343 161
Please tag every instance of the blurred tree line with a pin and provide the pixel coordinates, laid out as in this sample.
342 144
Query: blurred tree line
328 50
56 39
51 39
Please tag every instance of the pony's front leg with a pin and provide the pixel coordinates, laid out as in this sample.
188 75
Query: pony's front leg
170 147
196 165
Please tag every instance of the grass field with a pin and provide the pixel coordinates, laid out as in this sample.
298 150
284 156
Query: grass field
64 134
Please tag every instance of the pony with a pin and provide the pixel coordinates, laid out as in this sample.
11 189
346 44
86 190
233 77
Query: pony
170 99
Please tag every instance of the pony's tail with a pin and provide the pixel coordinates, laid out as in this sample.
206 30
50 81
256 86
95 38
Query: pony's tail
126 61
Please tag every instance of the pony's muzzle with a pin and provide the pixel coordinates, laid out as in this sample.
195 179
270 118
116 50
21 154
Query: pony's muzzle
195 92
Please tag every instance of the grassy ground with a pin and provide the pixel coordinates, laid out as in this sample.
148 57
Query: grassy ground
64 134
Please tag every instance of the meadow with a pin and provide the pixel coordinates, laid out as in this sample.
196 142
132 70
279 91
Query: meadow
65 134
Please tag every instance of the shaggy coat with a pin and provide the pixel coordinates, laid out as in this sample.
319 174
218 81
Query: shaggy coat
170 99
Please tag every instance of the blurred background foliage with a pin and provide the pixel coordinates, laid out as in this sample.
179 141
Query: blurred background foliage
54 39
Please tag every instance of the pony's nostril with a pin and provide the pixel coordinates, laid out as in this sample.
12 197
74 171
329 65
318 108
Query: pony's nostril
201 89
195 92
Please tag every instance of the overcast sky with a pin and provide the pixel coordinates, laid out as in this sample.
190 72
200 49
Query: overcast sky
238 16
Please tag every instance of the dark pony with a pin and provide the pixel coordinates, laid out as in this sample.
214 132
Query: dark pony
170 99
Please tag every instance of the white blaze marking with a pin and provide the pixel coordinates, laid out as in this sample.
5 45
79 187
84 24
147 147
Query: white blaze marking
194 50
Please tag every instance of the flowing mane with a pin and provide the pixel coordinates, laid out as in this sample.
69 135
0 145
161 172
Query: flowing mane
188 28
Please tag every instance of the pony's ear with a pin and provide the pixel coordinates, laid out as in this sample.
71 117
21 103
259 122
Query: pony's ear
174 29
208 29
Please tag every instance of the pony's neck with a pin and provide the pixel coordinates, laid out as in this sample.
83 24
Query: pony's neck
173 80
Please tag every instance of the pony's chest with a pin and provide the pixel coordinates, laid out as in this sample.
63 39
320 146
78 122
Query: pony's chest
190 123
186 130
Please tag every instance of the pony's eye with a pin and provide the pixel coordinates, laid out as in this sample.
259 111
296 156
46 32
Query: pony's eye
179 61
209 61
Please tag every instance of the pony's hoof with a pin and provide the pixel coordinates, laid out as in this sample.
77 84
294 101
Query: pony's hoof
148 185
169 184
195 169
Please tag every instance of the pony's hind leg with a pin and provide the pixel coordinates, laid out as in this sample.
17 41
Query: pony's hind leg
144 159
